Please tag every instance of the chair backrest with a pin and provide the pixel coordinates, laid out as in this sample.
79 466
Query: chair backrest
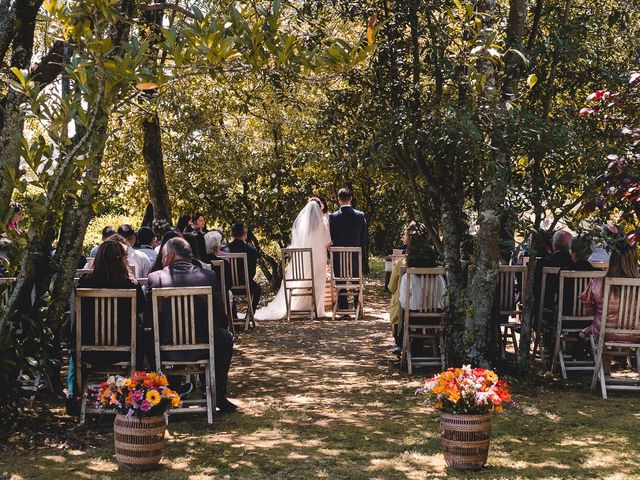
577 281
82 271
106 318
89 264
297 264
628 320
600 265
181 302
430 292
348 263
545 293
218 266
507 277
239 270
6 286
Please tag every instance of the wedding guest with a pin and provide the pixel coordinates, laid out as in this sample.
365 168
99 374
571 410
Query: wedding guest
169 234
16 217
394 288
240 245
138 259
110 271
580 252
147 243
199 223
107 232
213 242
198 249
623 263
183 222
178 271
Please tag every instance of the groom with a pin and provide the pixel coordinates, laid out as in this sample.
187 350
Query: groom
348 229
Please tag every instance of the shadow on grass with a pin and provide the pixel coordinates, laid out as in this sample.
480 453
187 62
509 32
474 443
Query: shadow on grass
324 399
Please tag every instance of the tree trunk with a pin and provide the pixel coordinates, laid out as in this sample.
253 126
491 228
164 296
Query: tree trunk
7 27
153 159
11 116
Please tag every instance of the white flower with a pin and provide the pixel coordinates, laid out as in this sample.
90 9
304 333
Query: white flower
111 380
120 382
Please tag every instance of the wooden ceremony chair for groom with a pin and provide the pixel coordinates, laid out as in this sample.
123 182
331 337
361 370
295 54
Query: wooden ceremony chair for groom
508 305
179 303
346 279
422 319
240 287
106 336
621 338
573 320
298 281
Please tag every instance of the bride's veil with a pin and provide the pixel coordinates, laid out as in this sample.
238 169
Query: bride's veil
306 225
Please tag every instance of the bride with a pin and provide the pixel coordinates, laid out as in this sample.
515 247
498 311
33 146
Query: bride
310 230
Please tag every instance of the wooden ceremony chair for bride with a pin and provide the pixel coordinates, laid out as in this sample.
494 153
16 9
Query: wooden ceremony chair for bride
106 341
298 281
240 288
508 305
422 319
346 280
621 338
181 302
572 319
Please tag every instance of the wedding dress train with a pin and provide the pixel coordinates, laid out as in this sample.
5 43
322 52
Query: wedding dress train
310 230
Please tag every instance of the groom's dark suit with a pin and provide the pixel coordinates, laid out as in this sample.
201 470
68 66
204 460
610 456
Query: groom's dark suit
349 229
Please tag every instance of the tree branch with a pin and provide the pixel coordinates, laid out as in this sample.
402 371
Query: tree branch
50 67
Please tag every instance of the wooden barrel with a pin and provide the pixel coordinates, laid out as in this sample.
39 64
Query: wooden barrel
139 442
465 440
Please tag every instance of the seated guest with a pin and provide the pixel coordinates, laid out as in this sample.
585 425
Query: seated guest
180 272
580 251
198 249
240 245
168 235
183 222
394 286
110 271
199 223
136 258
106 233
623 263
213 242
147 242
419 255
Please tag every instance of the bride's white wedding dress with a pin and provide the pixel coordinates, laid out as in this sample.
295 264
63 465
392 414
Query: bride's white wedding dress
310 230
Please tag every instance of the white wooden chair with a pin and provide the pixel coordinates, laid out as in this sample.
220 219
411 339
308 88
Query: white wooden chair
218 266
508 306
298 281
571 322
600 265
346 279
621 339
181 303
105 339
538 343
425 322
240 288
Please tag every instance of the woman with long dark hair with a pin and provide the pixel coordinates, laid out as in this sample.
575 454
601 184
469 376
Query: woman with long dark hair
157 265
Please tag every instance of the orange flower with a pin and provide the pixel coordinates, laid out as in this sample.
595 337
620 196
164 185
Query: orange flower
175 401
161 381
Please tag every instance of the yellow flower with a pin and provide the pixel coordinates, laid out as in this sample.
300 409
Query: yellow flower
499 408
175 401
162 381
490 376
153 397
438 405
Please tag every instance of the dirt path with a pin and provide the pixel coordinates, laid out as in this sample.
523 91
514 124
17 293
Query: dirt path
327 400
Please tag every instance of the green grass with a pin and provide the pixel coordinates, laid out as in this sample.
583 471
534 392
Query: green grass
326 400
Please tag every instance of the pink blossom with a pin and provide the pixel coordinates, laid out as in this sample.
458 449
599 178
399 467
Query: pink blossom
145 406
137 395
612 229
586 111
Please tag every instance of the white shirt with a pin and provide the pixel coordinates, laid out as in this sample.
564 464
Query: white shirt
150 253
416 287
94 250
140 261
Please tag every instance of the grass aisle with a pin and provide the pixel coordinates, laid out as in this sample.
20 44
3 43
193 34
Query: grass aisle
326 400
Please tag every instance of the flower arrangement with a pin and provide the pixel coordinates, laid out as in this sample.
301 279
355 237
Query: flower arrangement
466 390
142 395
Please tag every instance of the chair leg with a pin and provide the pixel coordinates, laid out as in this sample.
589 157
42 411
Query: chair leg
207 381
563 368
597 371
603 383
442 350
514 339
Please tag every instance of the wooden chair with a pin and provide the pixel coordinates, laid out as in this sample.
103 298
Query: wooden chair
621 339
538 344
600 265
218 266
240 288
346 279
427 319
571 322
298 282
105 340
181 302
508 306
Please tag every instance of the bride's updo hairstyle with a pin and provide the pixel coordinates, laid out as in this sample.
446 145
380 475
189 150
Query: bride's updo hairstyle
322 203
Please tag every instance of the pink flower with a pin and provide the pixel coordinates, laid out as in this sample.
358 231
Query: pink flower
145 406
586 111
612 229
137 395
601 94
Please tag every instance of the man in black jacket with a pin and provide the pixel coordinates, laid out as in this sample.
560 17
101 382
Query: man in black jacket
180 272
348 229
240 245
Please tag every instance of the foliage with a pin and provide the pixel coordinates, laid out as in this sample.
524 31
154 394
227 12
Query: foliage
143 395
